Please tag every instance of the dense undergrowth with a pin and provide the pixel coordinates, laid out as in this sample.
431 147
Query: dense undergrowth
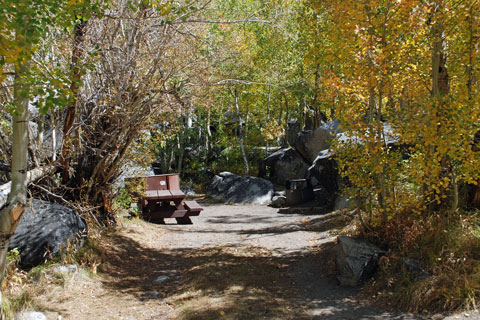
448 249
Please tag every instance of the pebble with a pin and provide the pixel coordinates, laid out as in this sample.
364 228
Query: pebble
71 268
152 294
161 279
30 315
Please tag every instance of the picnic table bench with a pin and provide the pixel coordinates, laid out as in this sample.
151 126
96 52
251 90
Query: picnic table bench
163 199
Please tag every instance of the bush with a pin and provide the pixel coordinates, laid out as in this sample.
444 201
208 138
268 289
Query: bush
448 248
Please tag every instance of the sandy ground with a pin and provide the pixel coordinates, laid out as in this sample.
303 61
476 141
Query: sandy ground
234 262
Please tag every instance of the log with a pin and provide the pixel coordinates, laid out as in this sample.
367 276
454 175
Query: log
32 176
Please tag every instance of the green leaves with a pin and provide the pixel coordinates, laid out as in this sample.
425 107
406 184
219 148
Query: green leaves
24 27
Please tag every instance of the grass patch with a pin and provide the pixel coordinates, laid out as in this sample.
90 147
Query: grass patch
20 287
14 304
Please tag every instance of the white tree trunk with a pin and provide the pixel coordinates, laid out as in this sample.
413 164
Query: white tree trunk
12 211
241 134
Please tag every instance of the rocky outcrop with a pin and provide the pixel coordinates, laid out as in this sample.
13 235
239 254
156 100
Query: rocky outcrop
309 143
232 188
286 164
44 229
355 260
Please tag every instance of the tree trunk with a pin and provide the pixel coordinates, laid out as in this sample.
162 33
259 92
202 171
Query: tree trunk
268 111
54 139
181 148
241 134
208 134
77 53
13 209
31 176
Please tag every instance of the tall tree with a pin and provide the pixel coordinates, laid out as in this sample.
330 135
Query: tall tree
23 25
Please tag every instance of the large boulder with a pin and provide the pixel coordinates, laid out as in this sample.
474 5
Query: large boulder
355 260
232 188
44 229
309 143
326 174
286 164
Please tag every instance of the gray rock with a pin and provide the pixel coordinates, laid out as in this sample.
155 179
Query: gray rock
30 315
280 193
161 279
286 164
44 229
414 268
342 202
355 260
278 201
344 138
151 294
188 190
232 188
71 268
310 143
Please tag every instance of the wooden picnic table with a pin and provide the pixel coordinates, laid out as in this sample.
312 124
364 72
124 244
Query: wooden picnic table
164 199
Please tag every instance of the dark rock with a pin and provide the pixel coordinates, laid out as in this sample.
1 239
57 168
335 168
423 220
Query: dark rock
286 164
322 197
414 268
187 189
355 260
232 188
44 229
299 191
278 201
326 175
309 143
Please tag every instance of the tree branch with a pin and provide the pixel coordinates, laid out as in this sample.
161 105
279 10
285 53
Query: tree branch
32 176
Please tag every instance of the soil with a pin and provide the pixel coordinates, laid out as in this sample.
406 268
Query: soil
234 262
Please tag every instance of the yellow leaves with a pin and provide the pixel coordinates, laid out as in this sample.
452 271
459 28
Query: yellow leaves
11 54
2 76
272 130
163 8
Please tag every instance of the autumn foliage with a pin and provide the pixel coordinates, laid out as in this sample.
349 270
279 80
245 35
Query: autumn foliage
414 66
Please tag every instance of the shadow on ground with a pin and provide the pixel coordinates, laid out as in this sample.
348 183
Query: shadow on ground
239 282
326 222
315 276
219 282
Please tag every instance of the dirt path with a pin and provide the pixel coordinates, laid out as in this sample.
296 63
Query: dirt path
234 262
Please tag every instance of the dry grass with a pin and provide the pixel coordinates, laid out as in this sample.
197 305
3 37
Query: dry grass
449 251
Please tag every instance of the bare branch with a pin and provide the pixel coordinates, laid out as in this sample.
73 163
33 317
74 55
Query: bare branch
226 81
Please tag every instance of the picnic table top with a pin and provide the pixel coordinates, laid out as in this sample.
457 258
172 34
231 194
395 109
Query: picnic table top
164 194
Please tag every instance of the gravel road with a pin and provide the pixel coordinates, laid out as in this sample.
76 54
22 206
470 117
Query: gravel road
297 236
